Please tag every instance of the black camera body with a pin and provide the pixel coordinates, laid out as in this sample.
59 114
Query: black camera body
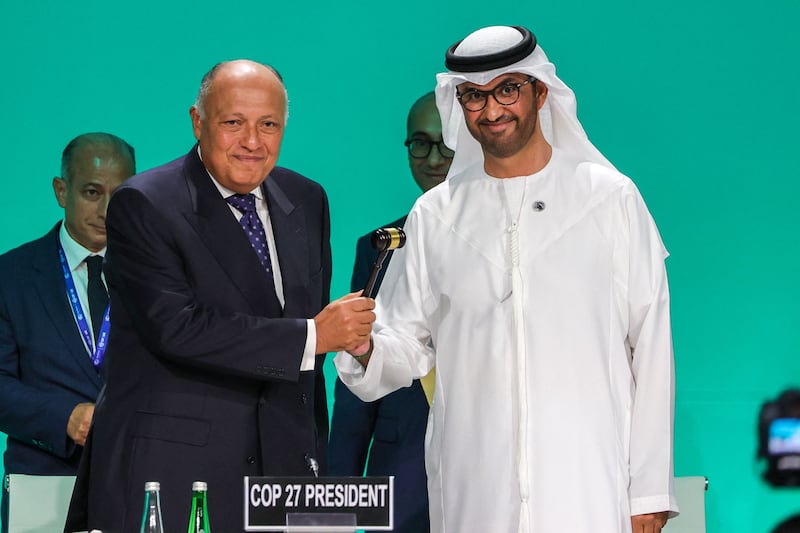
779 439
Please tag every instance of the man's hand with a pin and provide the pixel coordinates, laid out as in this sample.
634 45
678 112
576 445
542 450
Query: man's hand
79 421
649 523
345 324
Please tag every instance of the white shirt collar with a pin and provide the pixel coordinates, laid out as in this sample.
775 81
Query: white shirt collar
74 251
224 191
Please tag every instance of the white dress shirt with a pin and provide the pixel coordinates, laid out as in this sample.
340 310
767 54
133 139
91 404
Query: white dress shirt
76 255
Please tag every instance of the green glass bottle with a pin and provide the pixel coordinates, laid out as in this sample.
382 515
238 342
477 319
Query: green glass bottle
198 518
151 517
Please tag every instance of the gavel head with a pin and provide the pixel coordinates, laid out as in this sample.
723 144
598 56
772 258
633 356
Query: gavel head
388 239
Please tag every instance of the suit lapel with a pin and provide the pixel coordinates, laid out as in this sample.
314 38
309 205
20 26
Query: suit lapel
52 291
291 242
223 236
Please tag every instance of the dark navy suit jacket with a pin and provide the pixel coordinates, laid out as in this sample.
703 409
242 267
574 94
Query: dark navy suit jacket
45 370
203 365
395 425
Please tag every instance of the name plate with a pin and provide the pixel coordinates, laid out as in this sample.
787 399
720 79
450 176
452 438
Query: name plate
318 504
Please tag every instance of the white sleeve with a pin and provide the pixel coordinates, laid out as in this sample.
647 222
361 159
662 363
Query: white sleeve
402 338
650 340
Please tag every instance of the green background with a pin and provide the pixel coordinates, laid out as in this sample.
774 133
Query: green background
696 100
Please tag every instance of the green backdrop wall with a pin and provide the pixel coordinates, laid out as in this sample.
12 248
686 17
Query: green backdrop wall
694 99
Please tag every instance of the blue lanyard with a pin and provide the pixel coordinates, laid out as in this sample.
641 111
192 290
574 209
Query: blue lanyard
83 325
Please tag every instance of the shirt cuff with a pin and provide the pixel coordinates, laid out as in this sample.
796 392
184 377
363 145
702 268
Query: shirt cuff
654 504
309 355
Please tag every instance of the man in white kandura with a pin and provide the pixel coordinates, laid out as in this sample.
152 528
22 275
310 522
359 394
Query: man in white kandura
534 279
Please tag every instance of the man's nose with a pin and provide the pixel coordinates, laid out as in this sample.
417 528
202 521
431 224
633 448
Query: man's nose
435 158
493 109
250 136
102 205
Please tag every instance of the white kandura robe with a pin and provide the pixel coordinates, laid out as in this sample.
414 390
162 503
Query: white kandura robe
565 424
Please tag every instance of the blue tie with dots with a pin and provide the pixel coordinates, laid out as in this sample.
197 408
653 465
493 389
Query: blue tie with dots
246 204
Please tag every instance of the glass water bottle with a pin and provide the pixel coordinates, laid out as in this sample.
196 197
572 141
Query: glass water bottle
198 517
151 517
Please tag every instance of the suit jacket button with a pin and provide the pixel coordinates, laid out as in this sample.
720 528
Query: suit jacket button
304 398
251 460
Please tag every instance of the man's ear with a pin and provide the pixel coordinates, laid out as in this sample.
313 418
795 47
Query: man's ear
196 122
541 94
60 190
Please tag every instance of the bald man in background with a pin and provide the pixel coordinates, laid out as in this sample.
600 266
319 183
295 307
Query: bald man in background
49 356
394 425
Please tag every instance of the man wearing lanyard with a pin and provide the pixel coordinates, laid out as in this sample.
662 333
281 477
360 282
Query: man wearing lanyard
54 319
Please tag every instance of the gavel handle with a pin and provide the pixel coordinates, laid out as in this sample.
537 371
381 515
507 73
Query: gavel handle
368 289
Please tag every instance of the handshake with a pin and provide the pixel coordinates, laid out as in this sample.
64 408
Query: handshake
346 324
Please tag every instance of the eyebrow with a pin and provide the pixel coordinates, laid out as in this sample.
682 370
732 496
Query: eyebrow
238 114
507 79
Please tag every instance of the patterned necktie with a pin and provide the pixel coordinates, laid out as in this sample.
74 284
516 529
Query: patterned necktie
246 204
96 292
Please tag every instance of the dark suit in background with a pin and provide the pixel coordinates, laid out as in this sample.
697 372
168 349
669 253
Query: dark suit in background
395 425
48 383
45 370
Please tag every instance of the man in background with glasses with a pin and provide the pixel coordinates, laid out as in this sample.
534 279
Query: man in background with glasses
395 424
534 280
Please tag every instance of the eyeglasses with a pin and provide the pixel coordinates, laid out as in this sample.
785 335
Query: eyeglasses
421 148
504 94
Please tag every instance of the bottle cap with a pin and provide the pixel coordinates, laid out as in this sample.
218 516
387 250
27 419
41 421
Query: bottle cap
152 485
199 486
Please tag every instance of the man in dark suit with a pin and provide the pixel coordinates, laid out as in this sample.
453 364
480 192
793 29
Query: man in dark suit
395 424
48 382
219 273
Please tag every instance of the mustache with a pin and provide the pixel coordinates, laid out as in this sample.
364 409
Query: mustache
498 120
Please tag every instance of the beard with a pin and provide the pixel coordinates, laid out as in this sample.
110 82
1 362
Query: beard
506 143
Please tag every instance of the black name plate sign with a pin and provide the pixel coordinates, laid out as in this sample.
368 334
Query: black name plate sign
318 504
